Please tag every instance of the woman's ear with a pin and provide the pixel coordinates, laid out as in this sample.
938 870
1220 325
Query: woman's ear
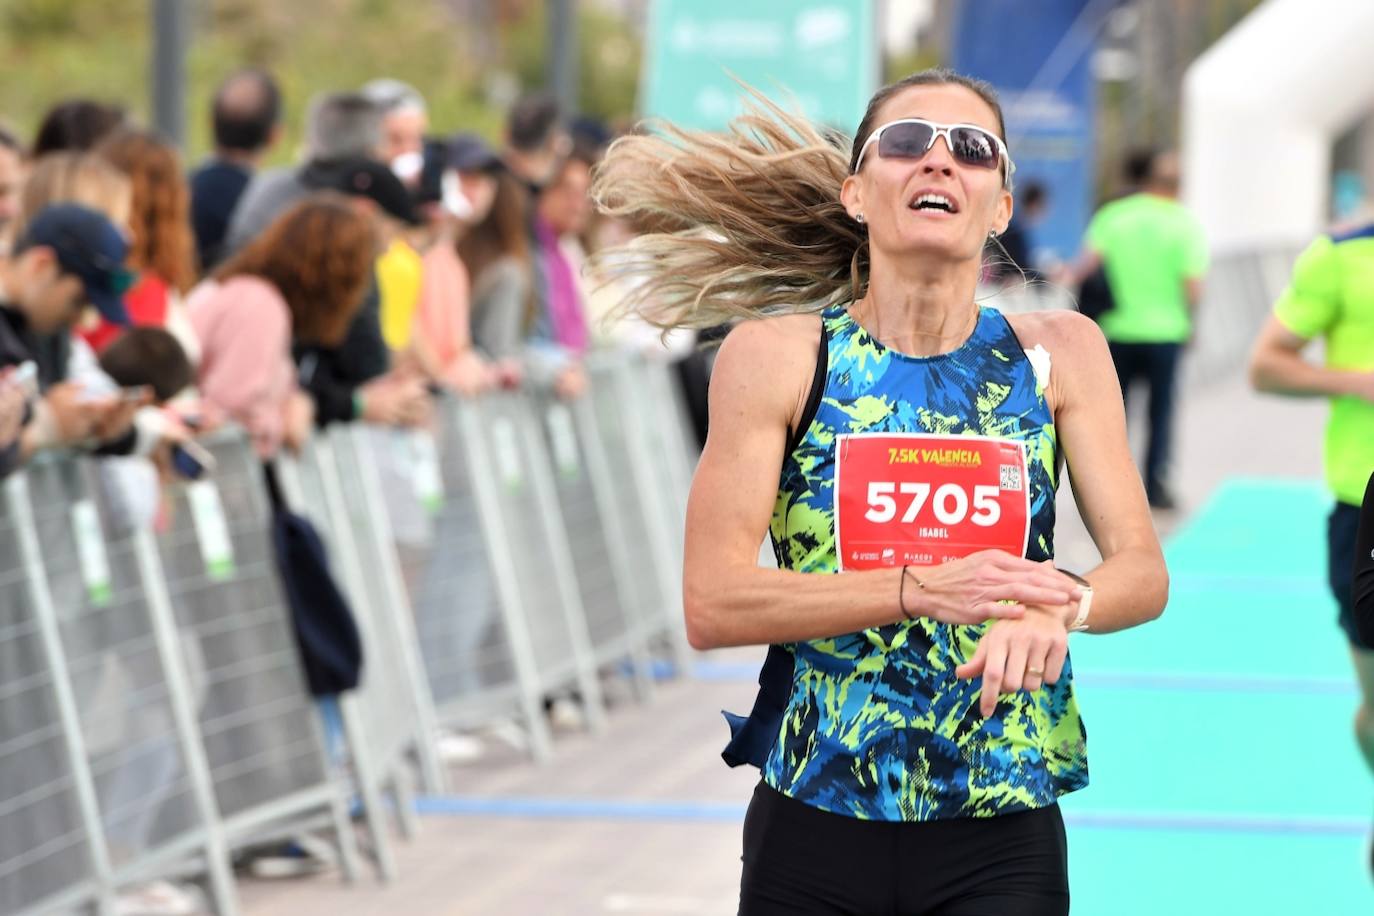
851 195
1001 218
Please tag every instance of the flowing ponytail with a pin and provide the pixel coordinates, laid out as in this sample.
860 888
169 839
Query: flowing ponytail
742 224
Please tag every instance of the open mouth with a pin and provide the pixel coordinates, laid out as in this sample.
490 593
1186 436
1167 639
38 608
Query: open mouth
934 201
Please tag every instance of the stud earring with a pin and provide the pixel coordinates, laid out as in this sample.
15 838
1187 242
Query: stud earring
859 218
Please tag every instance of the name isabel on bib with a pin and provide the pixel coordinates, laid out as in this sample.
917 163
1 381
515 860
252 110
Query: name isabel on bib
921 499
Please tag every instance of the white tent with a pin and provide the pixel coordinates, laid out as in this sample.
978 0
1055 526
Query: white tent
1261 110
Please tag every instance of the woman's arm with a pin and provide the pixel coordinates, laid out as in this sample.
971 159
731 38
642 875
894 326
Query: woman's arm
759 384
1131 585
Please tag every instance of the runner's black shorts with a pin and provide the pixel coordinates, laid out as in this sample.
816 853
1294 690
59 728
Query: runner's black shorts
1342 527
802 861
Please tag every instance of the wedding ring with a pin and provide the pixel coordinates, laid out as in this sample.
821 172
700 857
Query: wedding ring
1035 671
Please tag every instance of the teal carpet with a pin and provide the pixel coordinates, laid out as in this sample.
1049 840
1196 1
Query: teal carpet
1224 773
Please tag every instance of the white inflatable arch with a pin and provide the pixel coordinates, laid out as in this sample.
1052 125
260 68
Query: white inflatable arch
1261 110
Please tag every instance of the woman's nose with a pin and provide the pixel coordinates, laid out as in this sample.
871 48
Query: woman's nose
939 158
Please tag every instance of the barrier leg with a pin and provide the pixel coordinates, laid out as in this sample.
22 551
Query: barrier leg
593 706
504 572
188 726
50 636
373 815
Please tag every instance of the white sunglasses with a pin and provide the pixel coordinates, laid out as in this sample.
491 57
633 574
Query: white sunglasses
912 138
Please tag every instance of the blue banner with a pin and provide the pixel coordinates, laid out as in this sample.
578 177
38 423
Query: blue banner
1039 57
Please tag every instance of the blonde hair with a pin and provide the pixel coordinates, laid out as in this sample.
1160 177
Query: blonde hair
743 224
78 178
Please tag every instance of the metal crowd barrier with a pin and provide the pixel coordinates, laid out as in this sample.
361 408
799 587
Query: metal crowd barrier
153 713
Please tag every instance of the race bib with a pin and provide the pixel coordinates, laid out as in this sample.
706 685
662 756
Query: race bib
920 499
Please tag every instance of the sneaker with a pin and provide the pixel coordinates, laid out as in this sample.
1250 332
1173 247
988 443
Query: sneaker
566 714
455 747
159 898
290 861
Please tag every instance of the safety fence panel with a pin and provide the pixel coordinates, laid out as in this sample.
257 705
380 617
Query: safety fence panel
357 738
368 501
443 557
261 730
536 539
641 422
51 852
122 692
584 486
615 422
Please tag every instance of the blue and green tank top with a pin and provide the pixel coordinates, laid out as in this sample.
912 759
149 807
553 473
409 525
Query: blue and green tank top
875 724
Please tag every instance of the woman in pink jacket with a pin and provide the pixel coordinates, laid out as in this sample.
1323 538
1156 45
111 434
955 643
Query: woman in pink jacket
302 280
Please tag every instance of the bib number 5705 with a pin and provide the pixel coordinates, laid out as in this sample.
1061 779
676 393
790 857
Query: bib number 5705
949 503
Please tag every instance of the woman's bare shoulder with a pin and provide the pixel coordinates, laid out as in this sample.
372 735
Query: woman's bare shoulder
772 358
1056 329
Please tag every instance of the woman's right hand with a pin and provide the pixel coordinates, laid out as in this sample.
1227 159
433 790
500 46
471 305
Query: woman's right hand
985 585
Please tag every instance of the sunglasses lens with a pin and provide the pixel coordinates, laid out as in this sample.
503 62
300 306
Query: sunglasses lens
905 141
975 147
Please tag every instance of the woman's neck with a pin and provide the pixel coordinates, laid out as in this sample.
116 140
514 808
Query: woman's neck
918 307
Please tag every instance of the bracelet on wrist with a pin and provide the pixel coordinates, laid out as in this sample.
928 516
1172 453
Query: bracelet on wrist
901 592
1079 623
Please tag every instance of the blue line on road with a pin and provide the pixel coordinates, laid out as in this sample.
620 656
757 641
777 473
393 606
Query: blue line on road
730 812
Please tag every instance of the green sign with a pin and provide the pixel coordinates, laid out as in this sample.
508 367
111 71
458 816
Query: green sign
819 56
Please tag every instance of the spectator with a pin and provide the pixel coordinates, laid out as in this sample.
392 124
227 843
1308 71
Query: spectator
564 211
11 183
1155 257
405 118
353 380
347 381
163 248
398 267
338 126
496 253
77 125
151 358
302 280
80 178
68 255
537 140
246 117
1011 255
152 361
442 345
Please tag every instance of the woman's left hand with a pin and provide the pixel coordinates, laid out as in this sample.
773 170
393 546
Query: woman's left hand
1020 654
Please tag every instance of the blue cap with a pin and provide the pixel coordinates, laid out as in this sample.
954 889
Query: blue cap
88 246
467 152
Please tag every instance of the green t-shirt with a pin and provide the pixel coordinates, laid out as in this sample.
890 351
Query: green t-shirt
1332 296
1150 245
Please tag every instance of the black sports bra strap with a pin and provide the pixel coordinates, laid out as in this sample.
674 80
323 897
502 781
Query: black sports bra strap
813 397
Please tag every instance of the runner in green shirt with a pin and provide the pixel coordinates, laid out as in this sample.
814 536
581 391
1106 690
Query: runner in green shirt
1155 256
1331 295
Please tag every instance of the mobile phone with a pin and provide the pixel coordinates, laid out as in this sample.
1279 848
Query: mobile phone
26 377
191 460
